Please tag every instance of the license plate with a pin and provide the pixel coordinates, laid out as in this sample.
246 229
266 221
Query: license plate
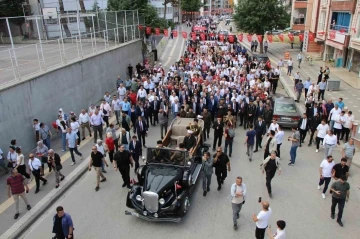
286 118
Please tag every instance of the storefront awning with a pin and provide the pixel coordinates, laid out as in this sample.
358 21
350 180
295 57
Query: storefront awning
335 44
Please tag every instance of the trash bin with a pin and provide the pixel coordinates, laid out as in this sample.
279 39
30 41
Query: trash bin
333 85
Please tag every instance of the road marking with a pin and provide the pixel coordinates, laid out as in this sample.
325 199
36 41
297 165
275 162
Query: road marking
172 51
5 205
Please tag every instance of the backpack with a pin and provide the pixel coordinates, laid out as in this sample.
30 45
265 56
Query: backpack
231 132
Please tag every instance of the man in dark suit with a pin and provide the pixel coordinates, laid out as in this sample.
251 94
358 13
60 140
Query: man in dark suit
260 128
212 107
194 106
201 106
311 112
135 150
242 112
303 127
189 140
155 106
315 121
182 98
141 129
250 113
218 127
147 112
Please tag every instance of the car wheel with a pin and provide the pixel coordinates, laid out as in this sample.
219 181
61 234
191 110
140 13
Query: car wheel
185 204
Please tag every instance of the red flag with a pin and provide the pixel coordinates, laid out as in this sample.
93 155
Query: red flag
249 37
321 33
332 34
342 30
202 36
269 37
148 30
240 36
259 37
291 37
281 37
140 27
301 37
231 38
184 34
354 29
175 33
311 36
157 31
166 33
221 37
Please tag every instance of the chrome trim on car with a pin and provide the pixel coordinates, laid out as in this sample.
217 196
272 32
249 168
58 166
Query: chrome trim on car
151 201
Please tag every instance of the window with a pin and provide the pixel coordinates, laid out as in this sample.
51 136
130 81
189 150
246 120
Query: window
51 21
285 108
72 20
169 10
321 24
357 34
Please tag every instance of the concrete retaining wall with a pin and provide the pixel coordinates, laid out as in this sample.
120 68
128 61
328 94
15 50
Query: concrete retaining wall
160 47
72 87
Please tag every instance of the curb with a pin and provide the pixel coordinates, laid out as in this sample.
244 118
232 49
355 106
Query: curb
19 228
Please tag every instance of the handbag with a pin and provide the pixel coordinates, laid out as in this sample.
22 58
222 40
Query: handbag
58 167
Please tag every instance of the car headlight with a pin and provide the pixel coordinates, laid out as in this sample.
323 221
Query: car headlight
162 201
139 198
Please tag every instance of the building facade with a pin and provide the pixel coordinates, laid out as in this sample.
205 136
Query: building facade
172 12
353 63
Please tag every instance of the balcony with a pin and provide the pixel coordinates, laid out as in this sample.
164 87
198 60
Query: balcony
298 23
300 4
340 29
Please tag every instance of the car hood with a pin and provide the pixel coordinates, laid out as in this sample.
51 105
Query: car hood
160 177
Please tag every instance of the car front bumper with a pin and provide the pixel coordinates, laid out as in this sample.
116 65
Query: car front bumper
287 124
151 218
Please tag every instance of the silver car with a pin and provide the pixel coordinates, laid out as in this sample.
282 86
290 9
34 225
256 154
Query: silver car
285 112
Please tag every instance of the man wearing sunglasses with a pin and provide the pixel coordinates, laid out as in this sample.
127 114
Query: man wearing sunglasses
221 162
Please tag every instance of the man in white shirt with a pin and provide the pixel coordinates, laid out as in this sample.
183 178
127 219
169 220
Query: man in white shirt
116 107
329 143
106 110
290 66
96 122
35 167
262 220
279 136
339 120
349 120
325 171
280 230
141 94
238 193
84 121
333 113
122 91
321 132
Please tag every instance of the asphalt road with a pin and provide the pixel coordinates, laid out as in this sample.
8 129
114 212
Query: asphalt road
295 200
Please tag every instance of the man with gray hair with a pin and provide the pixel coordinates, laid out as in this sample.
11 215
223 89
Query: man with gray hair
237 194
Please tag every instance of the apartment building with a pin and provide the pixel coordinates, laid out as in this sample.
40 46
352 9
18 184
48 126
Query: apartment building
172 12
353 63
216 6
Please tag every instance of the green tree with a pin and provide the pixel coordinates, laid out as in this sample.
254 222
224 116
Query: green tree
191 5
258 16
95 7
173 4
13 8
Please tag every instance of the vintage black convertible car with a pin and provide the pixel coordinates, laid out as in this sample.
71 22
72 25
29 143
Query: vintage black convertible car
164 185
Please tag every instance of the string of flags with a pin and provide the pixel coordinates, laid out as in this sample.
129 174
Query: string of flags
240 36
219 10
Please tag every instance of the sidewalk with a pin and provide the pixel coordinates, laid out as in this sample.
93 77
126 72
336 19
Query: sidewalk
350 95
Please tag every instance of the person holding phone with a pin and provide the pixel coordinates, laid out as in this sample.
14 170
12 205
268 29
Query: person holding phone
270 165
238 193
262 220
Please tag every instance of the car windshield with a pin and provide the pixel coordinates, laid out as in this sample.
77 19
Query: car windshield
166 156
283 107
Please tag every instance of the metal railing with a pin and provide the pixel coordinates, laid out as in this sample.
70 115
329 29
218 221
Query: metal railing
340 28
297 20
46 45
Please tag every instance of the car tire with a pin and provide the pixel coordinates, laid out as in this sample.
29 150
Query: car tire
185 204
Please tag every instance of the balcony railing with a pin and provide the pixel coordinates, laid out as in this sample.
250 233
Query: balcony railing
297 20
341 29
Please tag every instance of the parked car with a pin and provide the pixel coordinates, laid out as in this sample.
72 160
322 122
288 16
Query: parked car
285 112
260 57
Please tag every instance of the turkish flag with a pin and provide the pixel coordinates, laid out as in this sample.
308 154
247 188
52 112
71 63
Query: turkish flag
157 31
231 38
342 30
166 33
140 27
301 37
332 34
240 37
202 36
321 33
291 37
175 33
148 30
259 37
221 37
354 29
281 37
249 37
269 37
311 36
184 34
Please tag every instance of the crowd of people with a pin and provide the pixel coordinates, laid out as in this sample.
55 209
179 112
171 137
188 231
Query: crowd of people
216 81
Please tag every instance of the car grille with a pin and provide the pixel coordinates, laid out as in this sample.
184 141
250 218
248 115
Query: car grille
151 201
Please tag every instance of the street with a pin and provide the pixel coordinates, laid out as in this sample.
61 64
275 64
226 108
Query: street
296 198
